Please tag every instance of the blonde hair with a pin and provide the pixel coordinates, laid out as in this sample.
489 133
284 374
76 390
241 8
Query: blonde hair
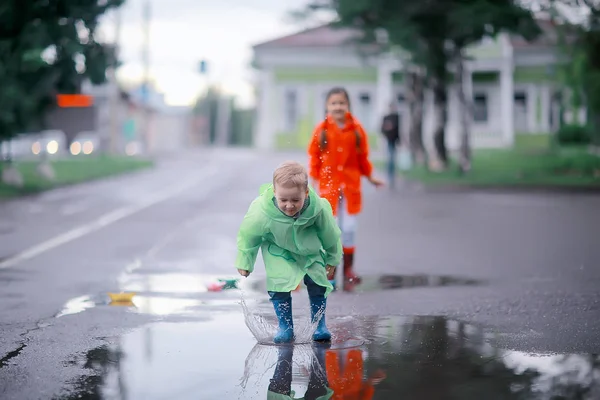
291 174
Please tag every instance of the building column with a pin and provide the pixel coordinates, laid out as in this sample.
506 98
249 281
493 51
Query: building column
428 121
507 91
532 101
385 95
385 87
507 103
467 79
545 104
264 132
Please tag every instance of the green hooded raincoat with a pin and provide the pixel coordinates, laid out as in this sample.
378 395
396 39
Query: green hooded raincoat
291 247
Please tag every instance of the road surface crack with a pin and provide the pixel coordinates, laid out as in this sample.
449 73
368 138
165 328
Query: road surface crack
23 343
9 356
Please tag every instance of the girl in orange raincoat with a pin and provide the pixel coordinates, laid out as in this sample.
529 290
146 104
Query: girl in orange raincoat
338 158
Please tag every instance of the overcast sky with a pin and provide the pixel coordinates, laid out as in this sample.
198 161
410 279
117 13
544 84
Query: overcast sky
186 31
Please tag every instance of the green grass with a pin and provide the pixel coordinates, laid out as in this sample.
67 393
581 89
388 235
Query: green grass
71 171
533 141
528 166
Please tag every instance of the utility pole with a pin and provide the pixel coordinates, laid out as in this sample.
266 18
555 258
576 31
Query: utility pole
204 104
223 120
146 77
114 90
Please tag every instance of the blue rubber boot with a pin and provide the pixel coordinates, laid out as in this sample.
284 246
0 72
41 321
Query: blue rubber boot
318 305
332 281
283 311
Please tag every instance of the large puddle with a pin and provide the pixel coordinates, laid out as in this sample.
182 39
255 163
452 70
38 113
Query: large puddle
369 358
166 292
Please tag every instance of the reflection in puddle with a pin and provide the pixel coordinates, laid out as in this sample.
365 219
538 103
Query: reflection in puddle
153 305
372 283
287 369
387 282
416 358
408 281
174 283
164 283
76 305
163 305
160 293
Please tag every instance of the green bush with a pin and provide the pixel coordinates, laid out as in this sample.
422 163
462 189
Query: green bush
573 135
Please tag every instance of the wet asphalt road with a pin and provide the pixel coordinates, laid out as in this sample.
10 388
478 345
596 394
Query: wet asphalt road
521 271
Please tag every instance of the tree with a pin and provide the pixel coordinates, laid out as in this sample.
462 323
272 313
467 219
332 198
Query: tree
435 34
47 47
371 20
590 44
581 71
469 21
438 32
415 84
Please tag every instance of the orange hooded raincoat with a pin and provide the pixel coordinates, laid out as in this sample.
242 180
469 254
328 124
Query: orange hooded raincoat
339 166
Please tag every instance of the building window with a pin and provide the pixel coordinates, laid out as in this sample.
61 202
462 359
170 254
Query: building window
291 110
322 107
521 100
400 98
480 107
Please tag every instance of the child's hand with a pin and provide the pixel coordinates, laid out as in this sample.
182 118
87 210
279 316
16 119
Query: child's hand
376 182
243 272
330 272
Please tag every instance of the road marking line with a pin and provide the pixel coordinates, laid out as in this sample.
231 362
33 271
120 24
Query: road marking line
105 220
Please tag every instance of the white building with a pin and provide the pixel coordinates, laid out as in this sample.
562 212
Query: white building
513 86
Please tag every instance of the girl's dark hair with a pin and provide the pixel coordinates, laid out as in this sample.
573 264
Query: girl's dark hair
323 137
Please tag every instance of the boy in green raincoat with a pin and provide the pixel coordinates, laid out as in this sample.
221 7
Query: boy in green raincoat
299 239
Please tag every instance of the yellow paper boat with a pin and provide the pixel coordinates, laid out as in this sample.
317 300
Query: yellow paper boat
121 297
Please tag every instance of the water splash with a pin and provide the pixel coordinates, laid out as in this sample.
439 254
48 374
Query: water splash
263 323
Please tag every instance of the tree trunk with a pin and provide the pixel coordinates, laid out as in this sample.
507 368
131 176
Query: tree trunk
416 99
9 173
440 104
595 123
464 164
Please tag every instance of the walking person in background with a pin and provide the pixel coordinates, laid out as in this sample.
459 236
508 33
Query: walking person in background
338 158
390 128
